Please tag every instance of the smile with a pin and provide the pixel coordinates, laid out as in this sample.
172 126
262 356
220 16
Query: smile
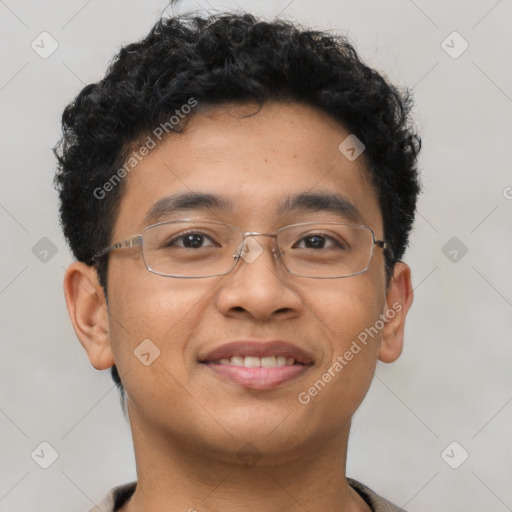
258 362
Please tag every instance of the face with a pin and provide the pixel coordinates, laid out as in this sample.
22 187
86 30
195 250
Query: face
254 163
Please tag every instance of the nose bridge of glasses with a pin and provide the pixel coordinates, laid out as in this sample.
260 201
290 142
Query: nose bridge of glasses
249 249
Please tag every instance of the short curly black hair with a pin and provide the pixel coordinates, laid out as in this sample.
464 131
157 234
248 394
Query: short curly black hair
226 58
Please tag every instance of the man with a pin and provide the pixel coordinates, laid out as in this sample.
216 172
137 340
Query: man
238 195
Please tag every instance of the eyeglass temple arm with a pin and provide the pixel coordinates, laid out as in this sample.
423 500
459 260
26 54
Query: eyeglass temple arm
130 242
386 246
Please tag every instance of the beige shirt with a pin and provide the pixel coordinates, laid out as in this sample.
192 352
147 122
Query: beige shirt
119 495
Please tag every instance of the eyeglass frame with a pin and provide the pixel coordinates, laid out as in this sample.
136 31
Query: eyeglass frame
137 240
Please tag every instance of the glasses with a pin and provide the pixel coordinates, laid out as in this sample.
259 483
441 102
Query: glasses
196 248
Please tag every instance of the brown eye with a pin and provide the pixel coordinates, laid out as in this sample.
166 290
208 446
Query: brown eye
192 240
317 241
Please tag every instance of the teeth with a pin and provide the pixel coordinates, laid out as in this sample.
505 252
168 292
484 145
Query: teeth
258 362
236 361
252 362
268 362
281 361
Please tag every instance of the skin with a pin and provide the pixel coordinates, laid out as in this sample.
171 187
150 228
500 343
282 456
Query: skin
189 426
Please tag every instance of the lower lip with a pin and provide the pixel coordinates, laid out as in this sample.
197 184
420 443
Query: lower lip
258 378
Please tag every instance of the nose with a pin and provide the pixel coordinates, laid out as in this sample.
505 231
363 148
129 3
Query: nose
258 286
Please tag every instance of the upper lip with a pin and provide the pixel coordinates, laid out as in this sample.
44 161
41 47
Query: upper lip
257 349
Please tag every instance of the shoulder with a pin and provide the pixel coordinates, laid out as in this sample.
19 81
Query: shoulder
115 498
376 502
118 496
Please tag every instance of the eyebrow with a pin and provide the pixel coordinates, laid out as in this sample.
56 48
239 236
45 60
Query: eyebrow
186 202
323 201
304 202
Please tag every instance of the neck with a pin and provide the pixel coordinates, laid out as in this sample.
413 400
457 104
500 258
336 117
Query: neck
175 477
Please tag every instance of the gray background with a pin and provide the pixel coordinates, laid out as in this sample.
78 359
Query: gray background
453 381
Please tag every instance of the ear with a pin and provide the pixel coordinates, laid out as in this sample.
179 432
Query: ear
399 298
87 308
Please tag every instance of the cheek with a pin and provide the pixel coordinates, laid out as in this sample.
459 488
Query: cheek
150 307
348 312
169 313
345 307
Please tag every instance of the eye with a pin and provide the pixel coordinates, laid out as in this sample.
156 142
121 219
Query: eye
318 241
190 240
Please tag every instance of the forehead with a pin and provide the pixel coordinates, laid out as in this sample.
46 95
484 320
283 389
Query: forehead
250 165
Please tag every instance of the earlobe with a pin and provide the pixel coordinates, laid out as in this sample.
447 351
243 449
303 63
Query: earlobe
87 310
399 298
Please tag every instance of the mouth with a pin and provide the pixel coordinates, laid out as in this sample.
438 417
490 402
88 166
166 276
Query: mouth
257 364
